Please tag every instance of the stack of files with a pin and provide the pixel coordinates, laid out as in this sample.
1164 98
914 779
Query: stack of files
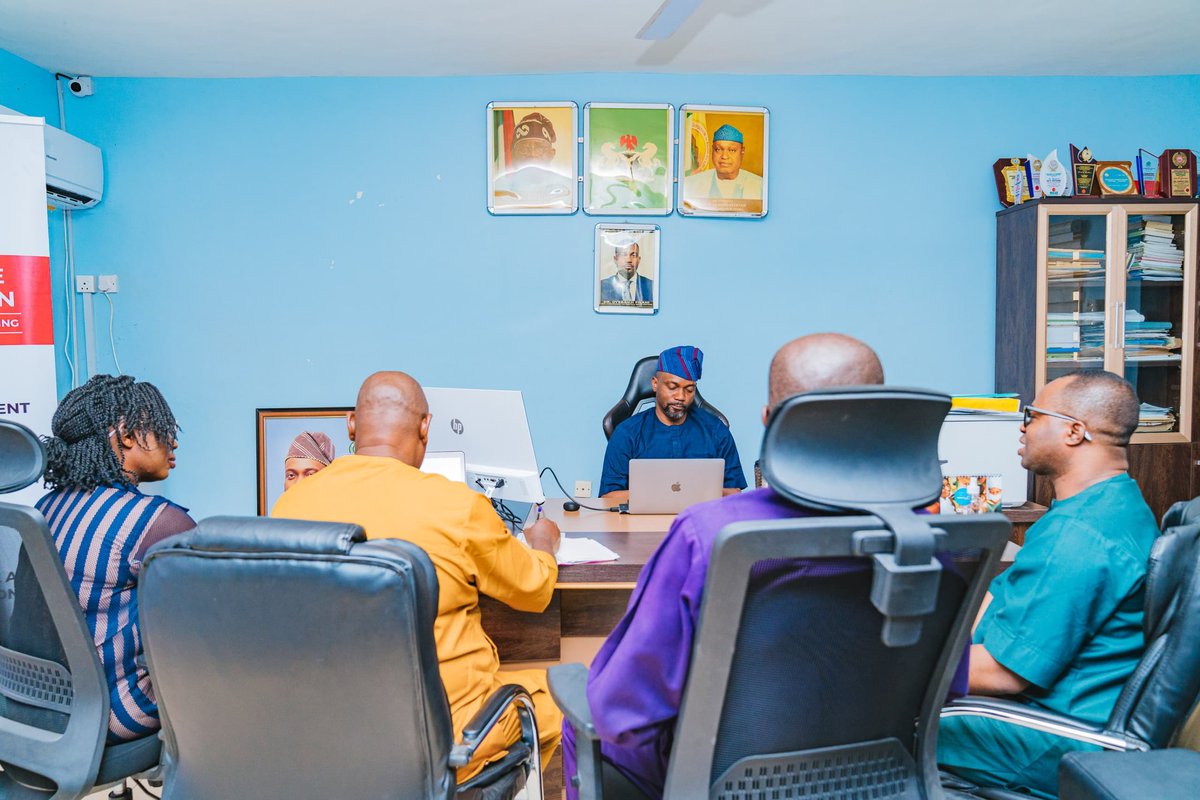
1072 335
1150 341
1074 264
985 402
1153 254
1155 419
1067 233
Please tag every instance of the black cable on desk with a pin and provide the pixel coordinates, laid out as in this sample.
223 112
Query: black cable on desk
568 495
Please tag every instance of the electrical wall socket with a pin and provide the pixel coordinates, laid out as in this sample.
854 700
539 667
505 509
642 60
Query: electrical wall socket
85 284
583 488
107 284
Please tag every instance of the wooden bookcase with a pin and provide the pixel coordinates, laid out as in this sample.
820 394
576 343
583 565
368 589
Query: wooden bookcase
1093 276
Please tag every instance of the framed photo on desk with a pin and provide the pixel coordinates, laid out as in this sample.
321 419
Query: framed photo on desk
293 443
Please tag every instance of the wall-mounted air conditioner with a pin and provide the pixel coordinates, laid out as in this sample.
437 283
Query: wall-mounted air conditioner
74 169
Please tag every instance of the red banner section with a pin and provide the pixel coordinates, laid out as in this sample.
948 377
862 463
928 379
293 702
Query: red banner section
26 312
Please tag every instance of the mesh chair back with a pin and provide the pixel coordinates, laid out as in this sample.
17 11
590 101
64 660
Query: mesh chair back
1160 694
22 457
638 390
293 659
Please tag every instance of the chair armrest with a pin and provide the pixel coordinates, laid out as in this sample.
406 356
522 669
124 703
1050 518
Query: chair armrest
486 718
568 687
1026 716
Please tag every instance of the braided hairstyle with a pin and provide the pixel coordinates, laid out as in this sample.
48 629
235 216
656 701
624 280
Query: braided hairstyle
78 454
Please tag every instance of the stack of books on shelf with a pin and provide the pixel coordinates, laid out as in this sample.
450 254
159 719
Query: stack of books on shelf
1155 419
1067 234
1072 265
1079 336
1153 254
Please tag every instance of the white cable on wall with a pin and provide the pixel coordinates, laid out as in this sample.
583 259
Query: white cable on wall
69 288
112 341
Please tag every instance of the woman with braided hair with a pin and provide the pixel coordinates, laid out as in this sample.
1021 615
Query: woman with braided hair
109 436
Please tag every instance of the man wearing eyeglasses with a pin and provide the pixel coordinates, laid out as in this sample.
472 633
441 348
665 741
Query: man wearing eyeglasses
1062 628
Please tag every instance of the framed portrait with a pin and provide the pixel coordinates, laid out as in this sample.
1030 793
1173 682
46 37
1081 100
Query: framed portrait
723 161
293 443
628 158
532 158
627 269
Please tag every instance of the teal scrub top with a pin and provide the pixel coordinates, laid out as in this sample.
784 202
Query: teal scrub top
1067 617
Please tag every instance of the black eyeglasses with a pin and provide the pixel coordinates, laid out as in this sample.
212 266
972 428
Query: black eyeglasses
1031 410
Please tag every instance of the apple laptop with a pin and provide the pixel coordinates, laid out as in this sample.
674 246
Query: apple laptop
669 485
451 465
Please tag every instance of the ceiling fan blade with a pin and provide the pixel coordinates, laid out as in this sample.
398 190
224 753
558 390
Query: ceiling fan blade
670 15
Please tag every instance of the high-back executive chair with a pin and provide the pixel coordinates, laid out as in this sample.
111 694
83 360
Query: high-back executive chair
295 659
824 687
53 694
1162 691
639 390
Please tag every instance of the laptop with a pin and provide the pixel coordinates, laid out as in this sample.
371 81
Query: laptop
669 485
450 465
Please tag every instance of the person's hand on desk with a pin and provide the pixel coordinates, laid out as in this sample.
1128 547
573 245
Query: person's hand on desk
616 497
543 535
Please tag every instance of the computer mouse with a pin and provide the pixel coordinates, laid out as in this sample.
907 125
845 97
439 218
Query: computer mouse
570 505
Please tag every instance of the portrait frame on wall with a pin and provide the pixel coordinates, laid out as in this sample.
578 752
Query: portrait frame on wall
277 428
633 250
532 158
628 159
722 164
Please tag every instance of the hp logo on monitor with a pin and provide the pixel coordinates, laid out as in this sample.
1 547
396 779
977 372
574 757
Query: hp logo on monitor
456 425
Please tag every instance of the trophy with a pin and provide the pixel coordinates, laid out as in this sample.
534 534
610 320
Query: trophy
1147 173
1177 174
1011 183
1115 178
1085 169
1055 182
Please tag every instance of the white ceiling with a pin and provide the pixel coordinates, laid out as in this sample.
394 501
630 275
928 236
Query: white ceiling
249 38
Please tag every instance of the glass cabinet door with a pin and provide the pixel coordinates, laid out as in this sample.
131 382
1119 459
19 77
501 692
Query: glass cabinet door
1076 293
1152 334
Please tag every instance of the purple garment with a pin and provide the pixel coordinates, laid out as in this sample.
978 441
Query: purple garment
636 681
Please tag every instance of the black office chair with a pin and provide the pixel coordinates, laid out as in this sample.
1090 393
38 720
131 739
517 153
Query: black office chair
1162 691
830 687
54 703
639 390
1172 774
294 659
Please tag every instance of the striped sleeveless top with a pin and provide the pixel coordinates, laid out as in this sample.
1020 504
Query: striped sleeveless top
98 534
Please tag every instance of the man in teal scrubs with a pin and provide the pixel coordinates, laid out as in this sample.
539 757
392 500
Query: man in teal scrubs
1062 628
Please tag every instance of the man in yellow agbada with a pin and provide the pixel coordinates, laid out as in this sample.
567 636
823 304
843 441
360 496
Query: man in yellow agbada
380 488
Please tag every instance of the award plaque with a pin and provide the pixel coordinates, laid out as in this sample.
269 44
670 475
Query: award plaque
1177 174
1055 182
1084 167
1115 178
1011 183
1147 172
1033 175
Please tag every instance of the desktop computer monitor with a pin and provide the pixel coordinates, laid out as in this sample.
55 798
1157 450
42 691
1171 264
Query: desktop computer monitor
490 427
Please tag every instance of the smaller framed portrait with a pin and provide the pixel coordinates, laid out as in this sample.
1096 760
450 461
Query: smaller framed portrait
723 161
627 269
628 158
532 158
295 443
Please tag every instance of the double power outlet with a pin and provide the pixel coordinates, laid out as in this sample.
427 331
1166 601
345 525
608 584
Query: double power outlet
86 284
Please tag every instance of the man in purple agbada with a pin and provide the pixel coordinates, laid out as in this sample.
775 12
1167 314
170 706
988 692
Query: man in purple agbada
636 681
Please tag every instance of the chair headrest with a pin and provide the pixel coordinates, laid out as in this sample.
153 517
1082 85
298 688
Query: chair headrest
1172 559
263 535
22 456
856 448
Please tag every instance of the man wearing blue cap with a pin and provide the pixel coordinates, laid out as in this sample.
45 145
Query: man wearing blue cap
672 429
726 179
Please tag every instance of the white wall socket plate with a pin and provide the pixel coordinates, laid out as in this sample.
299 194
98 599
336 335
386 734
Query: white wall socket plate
107 284
85 284
583 488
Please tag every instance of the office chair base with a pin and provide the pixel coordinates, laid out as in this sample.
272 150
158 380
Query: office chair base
121 792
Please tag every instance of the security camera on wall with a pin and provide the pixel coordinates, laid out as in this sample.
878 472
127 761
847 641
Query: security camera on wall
81 86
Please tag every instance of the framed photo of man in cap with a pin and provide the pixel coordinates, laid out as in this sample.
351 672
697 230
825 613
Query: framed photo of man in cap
293 444
628 158
627 274
723 161
532 162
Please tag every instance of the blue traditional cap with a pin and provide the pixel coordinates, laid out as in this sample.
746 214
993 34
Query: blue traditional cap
728 133
684 361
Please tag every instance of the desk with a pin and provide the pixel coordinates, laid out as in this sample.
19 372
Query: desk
589 599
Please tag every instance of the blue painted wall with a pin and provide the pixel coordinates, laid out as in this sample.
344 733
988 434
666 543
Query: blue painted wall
27 88
249 278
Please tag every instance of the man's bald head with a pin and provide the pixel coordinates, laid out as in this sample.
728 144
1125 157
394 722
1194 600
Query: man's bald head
391 418
1107 403
821 361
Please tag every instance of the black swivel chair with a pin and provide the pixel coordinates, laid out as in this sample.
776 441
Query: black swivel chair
639 390
294 659
830 687
1162 690
54 704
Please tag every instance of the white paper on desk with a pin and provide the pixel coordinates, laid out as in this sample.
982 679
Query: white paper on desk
583 551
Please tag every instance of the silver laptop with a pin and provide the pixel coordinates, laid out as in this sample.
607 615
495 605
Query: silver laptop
669 485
